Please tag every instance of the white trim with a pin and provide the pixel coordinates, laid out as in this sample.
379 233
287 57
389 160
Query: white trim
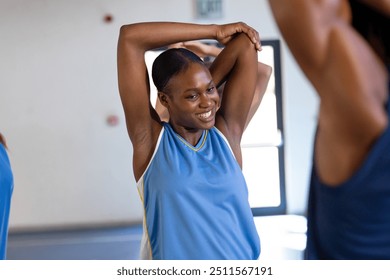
145 248
225 139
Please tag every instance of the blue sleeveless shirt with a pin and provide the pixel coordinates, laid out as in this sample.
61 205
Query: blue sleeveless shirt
352 221
6 188
196 201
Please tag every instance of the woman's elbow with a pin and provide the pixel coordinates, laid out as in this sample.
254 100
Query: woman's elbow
124 31
264 71
128 32
243 42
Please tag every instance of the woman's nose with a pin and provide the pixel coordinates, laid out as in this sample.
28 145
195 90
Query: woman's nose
205 100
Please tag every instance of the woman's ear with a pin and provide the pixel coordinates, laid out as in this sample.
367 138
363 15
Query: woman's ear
163 98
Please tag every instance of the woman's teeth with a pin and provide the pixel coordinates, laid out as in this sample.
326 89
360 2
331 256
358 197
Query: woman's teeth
205 115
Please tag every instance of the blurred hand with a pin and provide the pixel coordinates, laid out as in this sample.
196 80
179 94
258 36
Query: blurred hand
201 49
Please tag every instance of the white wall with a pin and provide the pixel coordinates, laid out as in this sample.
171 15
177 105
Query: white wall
58 85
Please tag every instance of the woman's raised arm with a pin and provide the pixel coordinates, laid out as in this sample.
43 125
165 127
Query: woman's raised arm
236 65
143 123
135 40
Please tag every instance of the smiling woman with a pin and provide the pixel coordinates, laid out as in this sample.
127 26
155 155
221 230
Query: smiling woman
189 94
188 170
262 142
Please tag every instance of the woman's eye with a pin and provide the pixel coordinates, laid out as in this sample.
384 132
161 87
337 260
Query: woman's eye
192 96
210 90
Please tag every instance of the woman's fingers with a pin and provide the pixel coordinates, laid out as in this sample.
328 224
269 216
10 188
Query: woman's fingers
253 35
228 32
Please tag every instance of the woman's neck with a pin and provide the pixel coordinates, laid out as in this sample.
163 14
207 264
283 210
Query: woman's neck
191 135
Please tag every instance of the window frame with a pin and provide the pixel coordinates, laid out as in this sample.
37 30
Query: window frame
276 68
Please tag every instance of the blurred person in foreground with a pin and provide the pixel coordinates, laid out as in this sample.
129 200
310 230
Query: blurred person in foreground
343 49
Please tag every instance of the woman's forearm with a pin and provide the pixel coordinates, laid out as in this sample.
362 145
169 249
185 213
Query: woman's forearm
202 49
150 35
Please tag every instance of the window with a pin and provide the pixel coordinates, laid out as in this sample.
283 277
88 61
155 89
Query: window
262 143
263 146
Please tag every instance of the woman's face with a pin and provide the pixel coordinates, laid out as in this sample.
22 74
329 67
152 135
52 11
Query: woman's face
193 99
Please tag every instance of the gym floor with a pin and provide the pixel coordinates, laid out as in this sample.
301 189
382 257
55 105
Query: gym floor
282 237
120 243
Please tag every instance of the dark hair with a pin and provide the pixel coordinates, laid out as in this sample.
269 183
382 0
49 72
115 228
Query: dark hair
371 23
2 140
170 63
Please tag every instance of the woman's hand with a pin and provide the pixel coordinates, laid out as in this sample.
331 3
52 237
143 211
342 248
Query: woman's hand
201 49
227 32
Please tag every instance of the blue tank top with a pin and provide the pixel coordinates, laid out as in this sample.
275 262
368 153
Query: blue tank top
6 188
352 221
196 201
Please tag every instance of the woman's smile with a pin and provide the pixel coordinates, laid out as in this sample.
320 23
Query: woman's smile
205 115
